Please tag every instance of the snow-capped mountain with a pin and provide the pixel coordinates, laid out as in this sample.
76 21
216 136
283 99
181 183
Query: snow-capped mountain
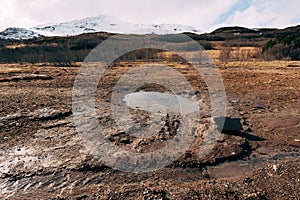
94 24
109 24
18 34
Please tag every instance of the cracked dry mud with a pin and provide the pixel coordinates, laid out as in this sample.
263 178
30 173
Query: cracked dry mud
43 157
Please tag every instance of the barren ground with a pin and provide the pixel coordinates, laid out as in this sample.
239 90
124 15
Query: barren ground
42 156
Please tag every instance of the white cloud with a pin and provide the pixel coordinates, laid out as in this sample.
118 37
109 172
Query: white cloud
27 13
202 14
267 13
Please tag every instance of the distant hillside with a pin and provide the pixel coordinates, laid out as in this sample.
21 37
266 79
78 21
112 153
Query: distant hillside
285 44
234 30
228 43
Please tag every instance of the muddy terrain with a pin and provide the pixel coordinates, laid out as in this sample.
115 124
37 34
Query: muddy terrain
42 156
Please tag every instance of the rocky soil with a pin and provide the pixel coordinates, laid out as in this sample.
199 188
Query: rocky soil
42 156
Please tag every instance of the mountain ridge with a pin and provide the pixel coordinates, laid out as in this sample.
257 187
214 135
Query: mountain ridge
100 23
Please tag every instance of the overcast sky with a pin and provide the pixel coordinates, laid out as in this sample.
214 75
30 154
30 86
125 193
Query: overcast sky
205 15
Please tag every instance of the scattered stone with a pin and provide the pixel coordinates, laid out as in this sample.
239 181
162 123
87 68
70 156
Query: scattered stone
228 124
121 138
12 116
252 195
259 107
56 124
234 101
44 113
275 168
49 113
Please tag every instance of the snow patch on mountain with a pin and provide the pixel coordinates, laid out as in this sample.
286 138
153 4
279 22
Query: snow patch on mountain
111 25
18 34
94 24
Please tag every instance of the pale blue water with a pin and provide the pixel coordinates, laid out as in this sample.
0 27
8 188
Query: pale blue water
157 102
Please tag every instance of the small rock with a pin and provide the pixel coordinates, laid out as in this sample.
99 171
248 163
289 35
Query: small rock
228 124
275 168
234 101
258 107
252 195
53 125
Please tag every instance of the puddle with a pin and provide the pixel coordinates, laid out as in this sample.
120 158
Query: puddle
157 102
